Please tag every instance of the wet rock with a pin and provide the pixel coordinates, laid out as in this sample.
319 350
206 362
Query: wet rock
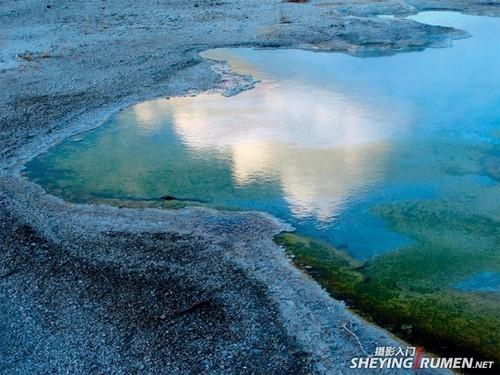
168 198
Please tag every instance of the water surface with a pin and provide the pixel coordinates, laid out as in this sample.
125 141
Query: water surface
322 139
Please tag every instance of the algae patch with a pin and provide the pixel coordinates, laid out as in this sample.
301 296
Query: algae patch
407 292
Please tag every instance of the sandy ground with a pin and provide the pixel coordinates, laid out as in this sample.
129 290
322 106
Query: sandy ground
95 289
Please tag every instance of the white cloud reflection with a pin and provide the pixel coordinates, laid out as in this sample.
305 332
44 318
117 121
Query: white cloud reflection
322 145
150 116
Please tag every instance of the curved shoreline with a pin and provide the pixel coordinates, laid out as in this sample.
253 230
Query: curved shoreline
302 303
228 255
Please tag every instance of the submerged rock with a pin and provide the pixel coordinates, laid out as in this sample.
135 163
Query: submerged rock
168 198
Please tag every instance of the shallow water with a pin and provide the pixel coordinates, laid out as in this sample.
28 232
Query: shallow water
378 155
481 282
322 140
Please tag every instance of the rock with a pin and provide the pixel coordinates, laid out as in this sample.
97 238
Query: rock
168 198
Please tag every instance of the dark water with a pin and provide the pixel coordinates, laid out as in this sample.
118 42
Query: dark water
341 147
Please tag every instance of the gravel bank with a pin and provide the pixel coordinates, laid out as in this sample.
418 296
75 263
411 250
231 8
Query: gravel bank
96 289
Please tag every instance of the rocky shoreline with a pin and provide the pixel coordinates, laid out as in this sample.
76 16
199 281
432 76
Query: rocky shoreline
98 289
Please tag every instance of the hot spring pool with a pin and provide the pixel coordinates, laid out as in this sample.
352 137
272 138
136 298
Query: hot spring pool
387 166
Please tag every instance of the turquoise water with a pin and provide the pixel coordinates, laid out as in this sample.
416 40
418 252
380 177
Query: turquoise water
481 282
322 141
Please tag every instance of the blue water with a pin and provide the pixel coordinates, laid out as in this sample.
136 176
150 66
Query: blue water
323 140
480 282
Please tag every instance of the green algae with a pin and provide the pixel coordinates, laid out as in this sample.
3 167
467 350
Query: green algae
409 291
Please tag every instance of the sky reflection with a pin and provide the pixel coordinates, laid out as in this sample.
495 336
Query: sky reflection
321 144
322 141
